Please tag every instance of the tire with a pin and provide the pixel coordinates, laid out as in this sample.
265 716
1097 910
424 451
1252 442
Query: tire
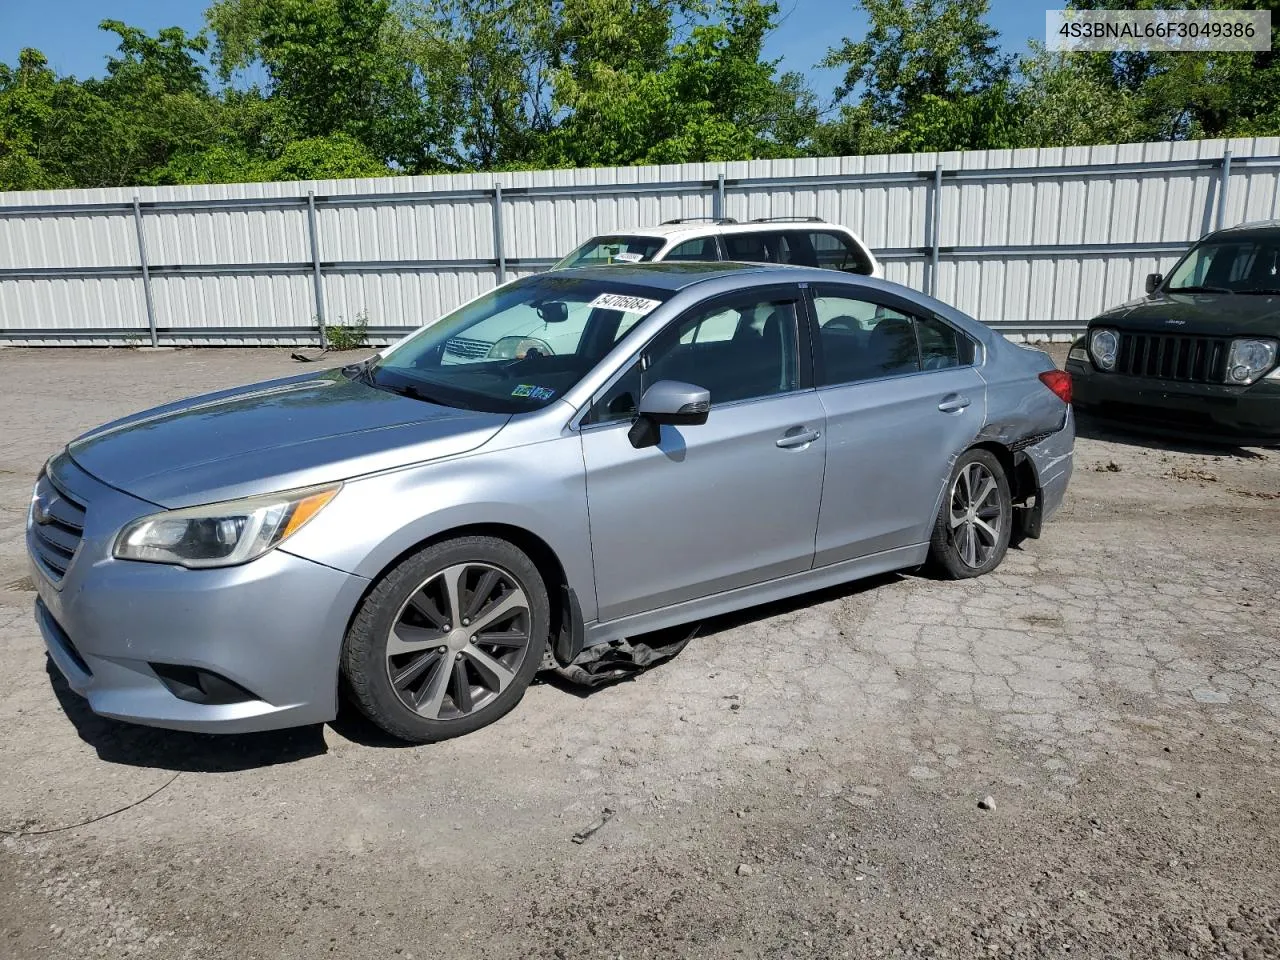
951 551
430 683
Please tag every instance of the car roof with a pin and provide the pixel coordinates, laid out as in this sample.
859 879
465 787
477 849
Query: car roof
666 274
702 228
1256 228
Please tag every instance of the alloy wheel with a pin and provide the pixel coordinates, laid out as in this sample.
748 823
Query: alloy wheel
458 641
976 515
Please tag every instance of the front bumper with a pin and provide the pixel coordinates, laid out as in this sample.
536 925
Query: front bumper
273 627
1197 411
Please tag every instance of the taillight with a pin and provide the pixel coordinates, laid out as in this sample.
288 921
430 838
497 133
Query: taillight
1059 381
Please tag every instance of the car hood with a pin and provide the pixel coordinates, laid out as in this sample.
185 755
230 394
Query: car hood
275 435
1202 314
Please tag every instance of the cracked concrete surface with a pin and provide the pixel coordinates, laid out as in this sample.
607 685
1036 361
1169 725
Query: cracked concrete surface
1114 686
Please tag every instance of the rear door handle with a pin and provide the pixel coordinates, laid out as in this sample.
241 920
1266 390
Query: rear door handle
953 403
798 437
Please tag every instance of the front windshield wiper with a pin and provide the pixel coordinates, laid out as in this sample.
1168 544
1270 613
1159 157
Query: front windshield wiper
1261 291
1198 289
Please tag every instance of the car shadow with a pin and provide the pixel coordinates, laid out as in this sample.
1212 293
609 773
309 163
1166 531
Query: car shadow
1112 432
133 745
712 627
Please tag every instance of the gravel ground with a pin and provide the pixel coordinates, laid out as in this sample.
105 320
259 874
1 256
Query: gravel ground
804 780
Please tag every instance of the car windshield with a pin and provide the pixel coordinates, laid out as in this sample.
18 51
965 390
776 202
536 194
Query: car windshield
1244 265
517 348
620 249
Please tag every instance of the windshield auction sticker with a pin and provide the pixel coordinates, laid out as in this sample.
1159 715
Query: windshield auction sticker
1175 31
616 301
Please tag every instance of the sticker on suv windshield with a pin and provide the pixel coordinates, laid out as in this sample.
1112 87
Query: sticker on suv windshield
532 392
616 301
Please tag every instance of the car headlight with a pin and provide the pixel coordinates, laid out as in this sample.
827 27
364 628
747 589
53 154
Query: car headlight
1104 345
1250 359
221 534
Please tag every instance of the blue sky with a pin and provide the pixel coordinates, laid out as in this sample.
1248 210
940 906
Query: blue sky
67 30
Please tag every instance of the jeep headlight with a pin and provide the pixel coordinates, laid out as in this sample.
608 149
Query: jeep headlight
1104 347
1250 359
221 534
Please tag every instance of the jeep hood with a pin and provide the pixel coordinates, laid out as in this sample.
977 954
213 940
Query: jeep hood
275 435
1198 314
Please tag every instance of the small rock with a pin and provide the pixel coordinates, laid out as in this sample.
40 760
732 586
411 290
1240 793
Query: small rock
987 803
1210 696
745 870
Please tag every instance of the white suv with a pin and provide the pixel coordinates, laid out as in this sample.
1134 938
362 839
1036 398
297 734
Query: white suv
806 241
554 328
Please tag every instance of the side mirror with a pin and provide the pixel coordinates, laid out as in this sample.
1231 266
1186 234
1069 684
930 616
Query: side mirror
668 402
1153 281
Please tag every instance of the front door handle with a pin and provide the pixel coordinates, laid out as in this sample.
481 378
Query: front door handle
798 437
953 403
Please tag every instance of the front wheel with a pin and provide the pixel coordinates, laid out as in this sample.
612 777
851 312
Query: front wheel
971 534
449 640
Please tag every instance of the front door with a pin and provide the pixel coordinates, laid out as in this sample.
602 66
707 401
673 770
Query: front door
902 399
724 504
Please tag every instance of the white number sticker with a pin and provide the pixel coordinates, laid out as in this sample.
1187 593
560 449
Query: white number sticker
616 301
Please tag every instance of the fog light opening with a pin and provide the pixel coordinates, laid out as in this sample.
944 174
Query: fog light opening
201 686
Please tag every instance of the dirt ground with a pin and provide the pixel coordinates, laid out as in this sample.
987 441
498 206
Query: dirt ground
803 781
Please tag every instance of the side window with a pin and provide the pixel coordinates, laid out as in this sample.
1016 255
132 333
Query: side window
739 351
940 345
703 248
835 251
862 340
749 247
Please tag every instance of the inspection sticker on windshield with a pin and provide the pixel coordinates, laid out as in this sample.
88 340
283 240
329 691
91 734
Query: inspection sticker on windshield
625 257
535 393
616 301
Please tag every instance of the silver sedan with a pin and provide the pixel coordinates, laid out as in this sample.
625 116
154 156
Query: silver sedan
568 463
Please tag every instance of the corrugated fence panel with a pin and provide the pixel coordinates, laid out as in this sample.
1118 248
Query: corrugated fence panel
1023 237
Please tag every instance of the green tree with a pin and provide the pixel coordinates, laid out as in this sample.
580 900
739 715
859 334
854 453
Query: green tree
335 67
1062 101
1184 95
637 87
928 75
486 66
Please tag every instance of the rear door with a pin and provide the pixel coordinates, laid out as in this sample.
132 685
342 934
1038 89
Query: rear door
902 399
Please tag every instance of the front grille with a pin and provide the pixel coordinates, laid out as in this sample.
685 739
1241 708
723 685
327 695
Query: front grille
1171 357
470 349
57 524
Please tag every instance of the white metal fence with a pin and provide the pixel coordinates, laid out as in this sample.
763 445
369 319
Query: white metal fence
1031 241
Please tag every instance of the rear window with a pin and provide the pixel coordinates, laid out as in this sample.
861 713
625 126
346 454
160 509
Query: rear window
835 251
702 248
619 249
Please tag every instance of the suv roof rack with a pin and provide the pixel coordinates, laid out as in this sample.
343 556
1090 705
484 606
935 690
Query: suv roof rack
692 219
788 219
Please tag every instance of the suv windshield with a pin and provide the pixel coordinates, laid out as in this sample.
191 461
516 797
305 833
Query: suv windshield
517 348
604 250
1243 265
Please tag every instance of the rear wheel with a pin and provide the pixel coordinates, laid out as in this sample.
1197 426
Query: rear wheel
971 534
449 640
